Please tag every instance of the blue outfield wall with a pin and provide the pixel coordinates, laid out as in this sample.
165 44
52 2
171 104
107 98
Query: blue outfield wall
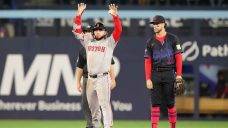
37 76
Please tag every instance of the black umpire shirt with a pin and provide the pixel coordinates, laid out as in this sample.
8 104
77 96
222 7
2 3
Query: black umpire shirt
82 63
163 54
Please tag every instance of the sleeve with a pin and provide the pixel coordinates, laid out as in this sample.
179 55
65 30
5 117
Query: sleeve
176 45
148 60
148 50
115 36
178 58
77 31
117 28
80 63
148 67
112 62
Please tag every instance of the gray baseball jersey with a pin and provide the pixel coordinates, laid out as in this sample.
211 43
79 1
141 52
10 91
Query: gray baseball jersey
99 53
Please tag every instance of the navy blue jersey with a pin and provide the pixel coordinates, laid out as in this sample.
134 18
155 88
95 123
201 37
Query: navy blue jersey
82 63
163 54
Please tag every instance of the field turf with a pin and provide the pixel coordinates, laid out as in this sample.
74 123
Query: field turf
117 124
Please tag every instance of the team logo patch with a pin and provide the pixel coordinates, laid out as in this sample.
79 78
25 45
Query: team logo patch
178 47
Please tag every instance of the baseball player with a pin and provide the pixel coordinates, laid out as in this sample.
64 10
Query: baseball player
99 53
81 70
163 64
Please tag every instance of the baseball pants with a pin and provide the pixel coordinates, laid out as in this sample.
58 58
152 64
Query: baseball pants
85 107
98 95
163 86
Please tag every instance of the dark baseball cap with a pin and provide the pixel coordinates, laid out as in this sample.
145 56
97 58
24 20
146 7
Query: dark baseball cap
99 26
158 19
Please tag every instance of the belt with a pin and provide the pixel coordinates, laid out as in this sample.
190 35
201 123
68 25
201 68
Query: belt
98 75
162 69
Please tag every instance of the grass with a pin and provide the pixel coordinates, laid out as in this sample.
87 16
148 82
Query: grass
117 124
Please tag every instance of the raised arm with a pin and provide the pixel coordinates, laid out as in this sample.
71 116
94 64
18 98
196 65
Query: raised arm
113 10
77 29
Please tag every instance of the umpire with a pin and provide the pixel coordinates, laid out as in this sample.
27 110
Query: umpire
163 65
82 71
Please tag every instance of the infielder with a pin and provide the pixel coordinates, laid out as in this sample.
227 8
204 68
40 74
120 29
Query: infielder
99 54
163 65
81 71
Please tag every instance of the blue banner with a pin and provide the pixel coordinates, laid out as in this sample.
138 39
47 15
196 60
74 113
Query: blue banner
37 76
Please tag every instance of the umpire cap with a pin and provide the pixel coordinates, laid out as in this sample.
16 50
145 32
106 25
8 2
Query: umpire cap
99 26
158 19
87 29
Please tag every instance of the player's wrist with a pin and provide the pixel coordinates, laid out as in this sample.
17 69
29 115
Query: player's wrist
113 14
178 77
79 14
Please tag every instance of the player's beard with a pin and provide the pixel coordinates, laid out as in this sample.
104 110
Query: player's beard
102 37
157 31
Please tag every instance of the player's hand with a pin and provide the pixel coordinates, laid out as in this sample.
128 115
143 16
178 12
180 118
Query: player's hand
81 8
113 84
149 84
79 87
113 9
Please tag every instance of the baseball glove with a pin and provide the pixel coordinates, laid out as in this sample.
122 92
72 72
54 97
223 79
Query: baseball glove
179 86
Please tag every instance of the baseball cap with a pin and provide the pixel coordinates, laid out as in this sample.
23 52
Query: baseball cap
158 19
98 26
